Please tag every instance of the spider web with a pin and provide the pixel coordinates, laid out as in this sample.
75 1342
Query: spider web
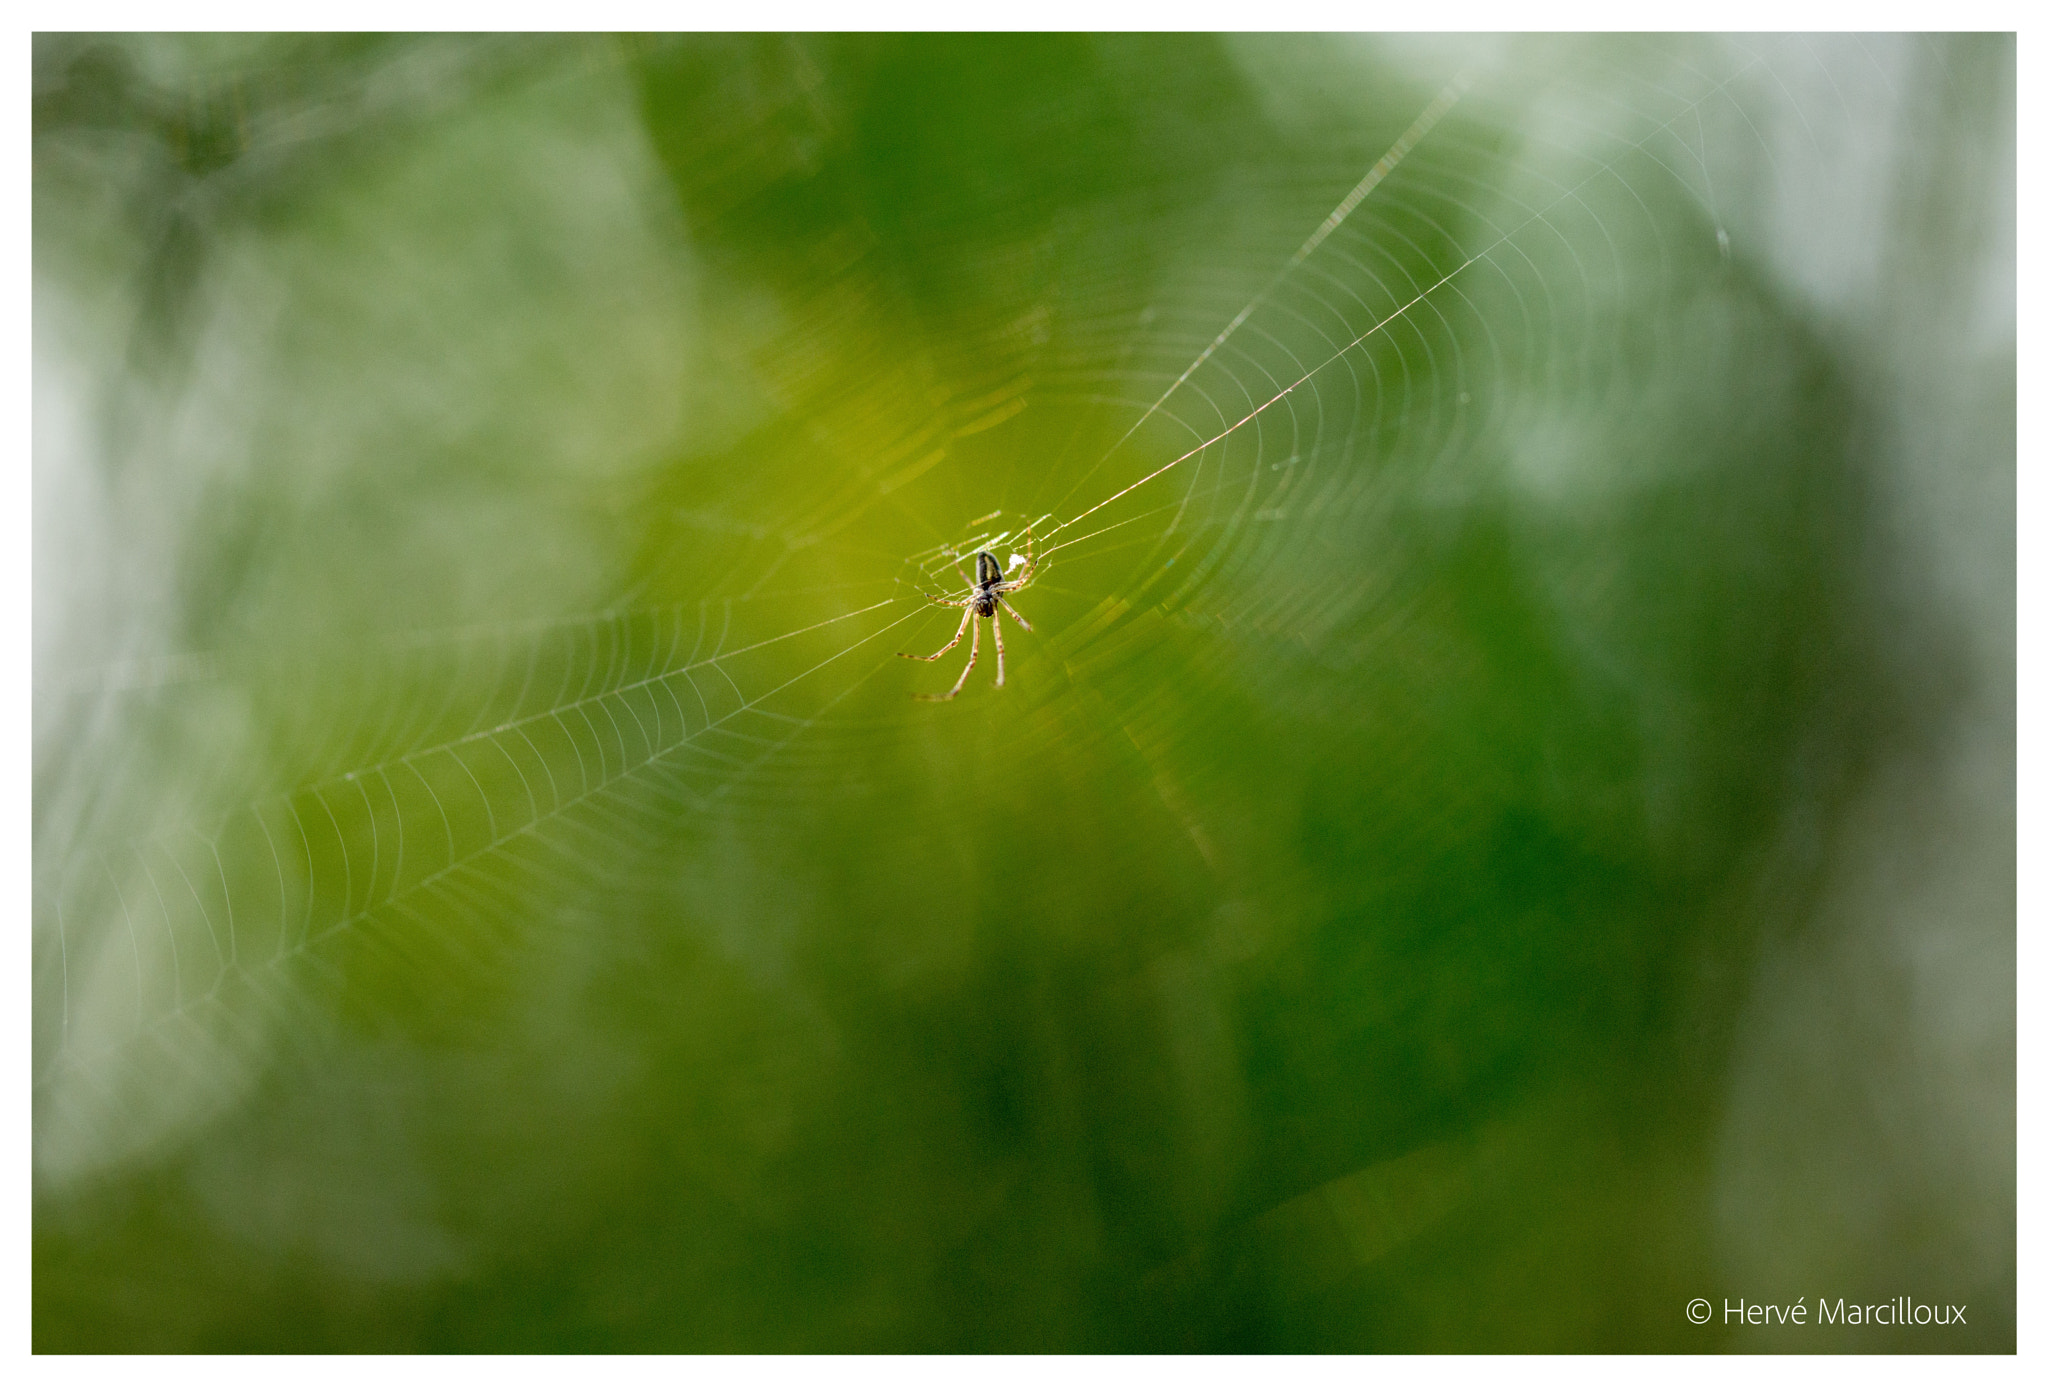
1214 403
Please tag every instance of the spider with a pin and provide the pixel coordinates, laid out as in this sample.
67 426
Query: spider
986 590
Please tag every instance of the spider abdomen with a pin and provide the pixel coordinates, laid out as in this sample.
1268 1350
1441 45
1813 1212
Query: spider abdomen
987 574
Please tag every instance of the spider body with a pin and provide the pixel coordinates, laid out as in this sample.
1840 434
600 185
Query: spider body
985 598
987 594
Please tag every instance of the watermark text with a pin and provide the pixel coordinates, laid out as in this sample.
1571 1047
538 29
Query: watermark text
1902 1311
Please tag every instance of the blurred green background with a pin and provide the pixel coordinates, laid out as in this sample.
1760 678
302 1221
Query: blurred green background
1503 824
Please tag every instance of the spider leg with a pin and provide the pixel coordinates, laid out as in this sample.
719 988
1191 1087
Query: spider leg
995 615
964 620
938 600
1018 617
973 653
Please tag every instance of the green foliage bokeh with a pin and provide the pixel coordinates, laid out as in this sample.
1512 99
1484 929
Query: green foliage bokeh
1330 938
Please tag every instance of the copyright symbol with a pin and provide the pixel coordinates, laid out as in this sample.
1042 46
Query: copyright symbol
1699 1311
